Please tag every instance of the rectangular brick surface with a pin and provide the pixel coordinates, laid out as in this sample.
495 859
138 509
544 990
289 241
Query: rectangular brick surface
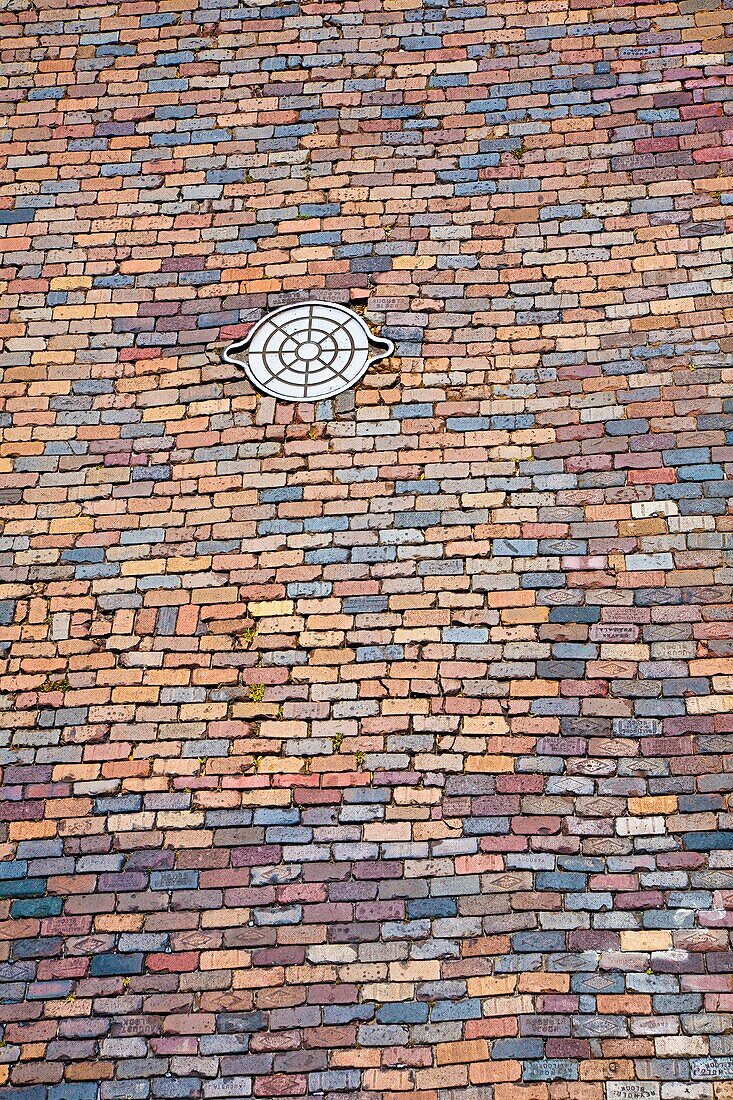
379 745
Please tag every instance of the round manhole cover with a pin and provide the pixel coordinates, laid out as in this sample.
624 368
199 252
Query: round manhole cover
307 352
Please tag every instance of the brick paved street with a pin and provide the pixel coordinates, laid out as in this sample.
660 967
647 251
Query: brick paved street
379 746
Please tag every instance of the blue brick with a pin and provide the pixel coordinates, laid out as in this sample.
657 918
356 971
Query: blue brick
588 983
345 1014
326 557
588 864
363 605
627 427
373 553
709 472
279 496
46 93
419 487
468 423
36 908
151 473
538 941
179 57
708 841
18 216
456 80
277 817
13 869
456 1010
230 175
320 209
108 965
512 423
514 548
158 20
160 139
87 554
321 237
113 282
95 572
379 653
466 635
517 1048
22 888
422 42
686 456
480 160
174 880
403 1012
551 1069
288 834
431 907
486 826
118 804
560 880
74 1090
533 34
412 412
279 527
327 523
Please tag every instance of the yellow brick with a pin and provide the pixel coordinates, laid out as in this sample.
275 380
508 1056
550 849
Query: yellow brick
490 764
664 804
74 312
486 724
492 987
248 977
710 704
188 565
421 263
418 970
141 568
475 1050
720 666
276 765
224 960
389 991
612 652
508 1006
167 412
76 525
646 941
135 695
525 615
31 830
269 608
71 282
395 1080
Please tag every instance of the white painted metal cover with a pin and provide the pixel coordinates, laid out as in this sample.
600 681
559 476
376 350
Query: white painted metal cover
307 352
